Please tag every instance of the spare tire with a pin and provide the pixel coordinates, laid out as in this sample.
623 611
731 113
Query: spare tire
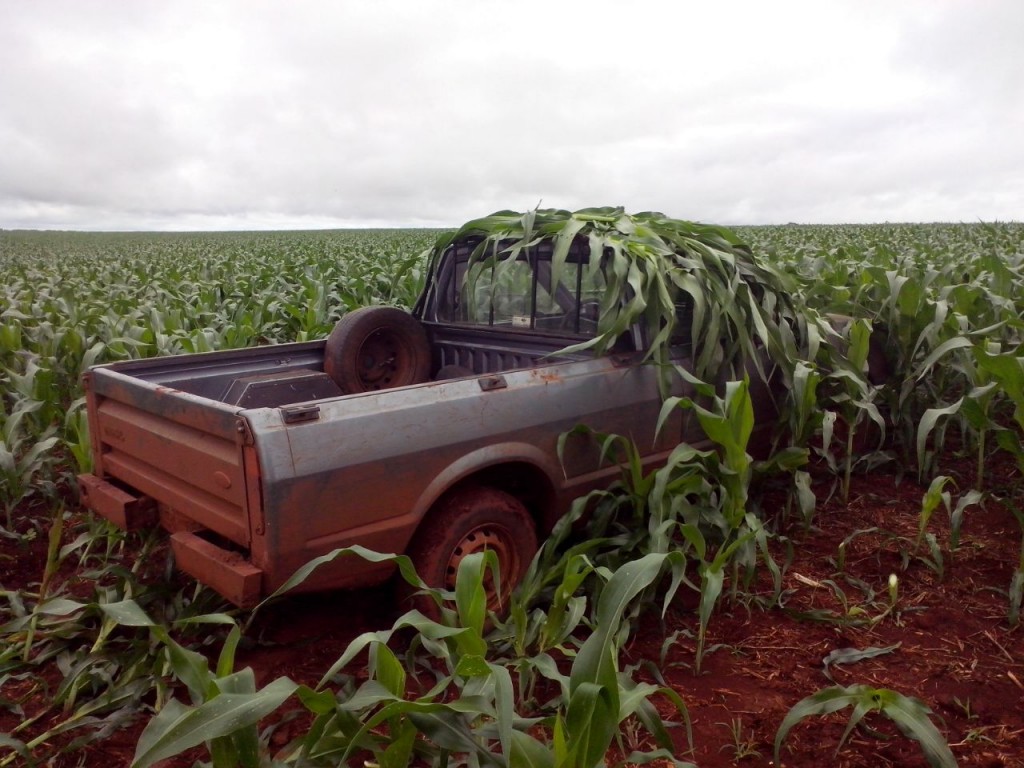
377 348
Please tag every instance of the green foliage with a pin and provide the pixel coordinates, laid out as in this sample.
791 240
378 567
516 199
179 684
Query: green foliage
909 714
944 300
696 507
938 296
742 746
108 671
740 302
469 708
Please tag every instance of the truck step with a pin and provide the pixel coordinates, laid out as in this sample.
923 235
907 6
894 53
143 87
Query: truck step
128 512
227 572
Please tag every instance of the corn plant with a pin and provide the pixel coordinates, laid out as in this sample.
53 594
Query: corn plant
25 458
106 674
469 708
696 505
850 613
804 420
909 714
935 495
228 706
1008 370
852 397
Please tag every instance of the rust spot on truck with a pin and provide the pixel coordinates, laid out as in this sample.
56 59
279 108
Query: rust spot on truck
547 376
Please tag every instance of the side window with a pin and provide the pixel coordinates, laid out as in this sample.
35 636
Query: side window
499 293
682 333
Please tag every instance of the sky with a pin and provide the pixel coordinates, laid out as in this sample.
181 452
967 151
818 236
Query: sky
309 114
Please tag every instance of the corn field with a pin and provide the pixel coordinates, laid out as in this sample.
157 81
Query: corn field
547 685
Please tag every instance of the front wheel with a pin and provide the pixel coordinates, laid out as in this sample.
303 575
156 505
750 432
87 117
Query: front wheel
468 521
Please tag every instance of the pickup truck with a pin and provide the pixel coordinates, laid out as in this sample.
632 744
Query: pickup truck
433 433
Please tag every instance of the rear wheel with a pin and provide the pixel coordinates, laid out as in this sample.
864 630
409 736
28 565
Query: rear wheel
474 520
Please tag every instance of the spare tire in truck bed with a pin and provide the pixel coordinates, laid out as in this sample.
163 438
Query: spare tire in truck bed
377 348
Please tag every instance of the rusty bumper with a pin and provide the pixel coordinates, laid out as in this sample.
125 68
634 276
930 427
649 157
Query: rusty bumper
226 572
128 512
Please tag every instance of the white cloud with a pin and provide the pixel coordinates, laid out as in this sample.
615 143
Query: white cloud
258 114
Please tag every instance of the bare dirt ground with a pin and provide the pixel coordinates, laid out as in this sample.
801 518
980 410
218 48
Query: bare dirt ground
950 642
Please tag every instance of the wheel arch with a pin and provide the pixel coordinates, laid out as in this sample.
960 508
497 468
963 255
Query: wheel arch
519 469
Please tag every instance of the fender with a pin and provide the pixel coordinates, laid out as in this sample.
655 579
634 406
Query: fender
482 458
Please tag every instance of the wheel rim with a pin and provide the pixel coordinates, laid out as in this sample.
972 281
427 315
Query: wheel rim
487 538
382 357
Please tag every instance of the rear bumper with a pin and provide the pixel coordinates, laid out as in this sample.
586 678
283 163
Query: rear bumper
224 571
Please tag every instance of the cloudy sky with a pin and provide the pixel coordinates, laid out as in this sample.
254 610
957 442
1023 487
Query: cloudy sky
180 115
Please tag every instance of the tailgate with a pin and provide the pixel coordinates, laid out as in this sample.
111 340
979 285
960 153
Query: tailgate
184 451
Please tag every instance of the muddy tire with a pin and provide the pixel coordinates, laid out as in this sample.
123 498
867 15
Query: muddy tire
377 348
472 520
